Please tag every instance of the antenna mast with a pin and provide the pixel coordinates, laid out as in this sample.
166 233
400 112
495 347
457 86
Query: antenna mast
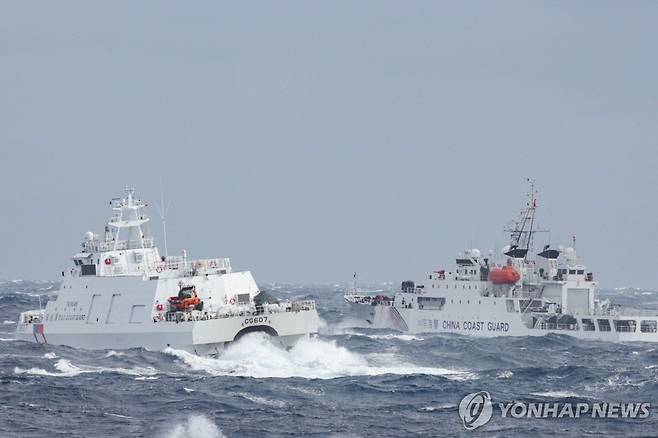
522 231
162 211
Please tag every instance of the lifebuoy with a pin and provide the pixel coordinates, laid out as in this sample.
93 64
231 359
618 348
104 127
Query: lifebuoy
159 307
108 261
232 301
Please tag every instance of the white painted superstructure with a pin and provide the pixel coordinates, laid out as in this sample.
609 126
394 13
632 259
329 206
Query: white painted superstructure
521 296
120 293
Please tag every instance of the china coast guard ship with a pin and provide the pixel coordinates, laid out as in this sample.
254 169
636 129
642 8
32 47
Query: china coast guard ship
522 296
120 293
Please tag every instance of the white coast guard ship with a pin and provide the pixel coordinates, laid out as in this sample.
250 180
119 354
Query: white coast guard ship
120 293
521 296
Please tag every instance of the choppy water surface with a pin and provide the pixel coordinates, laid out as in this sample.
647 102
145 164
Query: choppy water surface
347 381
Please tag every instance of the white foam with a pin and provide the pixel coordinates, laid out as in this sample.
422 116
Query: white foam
555 394
344 327
505 374
316 392
437 407
67 369
262 400
6 321
117 415
113 353
392 336
196 426
50 355
313 358
7 340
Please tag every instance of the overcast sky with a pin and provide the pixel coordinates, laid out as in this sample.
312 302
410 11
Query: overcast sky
307 140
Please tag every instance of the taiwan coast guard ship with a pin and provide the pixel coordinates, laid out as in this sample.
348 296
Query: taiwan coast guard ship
520 296
120 293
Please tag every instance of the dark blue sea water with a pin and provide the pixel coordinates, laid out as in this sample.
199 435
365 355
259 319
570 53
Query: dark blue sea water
348 381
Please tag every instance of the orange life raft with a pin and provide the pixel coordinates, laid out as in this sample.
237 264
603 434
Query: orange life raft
504 275
187 299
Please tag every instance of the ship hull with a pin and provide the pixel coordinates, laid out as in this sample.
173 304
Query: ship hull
201 337
489 317
122 312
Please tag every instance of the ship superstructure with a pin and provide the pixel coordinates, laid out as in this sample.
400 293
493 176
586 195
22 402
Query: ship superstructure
121 293
520 295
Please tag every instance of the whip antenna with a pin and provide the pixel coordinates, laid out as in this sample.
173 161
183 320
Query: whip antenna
162 211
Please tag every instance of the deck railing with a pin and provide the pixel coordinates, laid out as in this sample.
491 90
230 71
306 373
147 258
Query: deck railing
549 326
190 266
96 246
237 310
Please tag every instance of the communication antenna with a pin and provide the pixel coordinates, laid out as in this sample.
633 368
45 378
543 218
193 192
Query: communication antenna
162 211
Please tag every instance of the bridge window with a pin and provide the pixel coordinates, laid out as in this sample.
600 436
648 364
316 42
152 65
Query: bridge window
624 325
604 325
648 326
431 303
588 325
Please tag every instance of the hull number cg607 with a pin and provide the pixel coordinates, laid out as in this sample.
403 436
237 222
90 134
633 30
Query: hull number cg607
255 320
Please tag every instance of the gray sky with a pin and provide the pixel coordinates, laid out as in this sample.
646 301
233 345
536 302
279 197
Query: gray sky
306 140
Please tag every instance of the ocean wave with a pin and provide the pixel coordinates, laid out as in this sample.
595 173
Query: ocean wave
113 353
195 426
262 400
125 417
316 392
557 394
437 407
393 336
313 358
67 369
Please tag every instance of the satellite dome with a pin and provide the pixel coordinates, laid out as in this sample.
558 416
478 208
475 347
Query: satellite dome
475 253
89 236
